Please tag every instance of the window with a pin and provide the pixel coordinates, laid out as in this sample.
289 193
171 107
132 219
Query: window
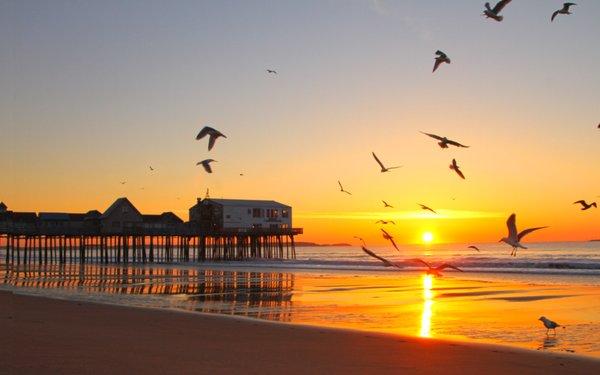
227 216
256 212
285 213
249 212
124 209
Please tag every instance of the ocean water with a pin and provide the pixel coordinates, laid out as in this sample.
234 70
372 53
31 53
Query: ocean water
496 299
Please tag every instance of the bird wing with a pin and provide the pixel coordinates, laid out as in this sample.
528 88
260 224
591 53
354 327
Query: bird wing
420 261
436 64
554 15
205 130
379 221
454 143
440 54
378 161
394 244
382 259
525 232
582 202
385 234
211 141
500 5
511 223
568 5
341 187
434 136
446 265
393 222
459 172
474 247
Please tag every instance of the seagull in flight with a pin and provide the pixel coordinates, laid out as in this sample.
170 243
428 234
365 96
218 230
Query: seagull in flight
123 182
441 58
549 324
383 168
585 205
514 237
563 10
493 13
342 189
423 207
151 168
206 164
474 248
386 204
444 142
271 71
385 222
386 262
435 271
456 169
387 236
213 135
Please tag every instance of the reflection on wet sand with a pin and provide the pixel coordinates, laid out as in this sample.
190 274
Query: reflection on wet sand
266 295
425 330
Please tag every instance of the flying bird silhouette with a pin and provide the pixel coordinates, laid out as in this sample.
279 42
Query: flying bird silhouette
213 135
435 271
549 324
123 182
441 58
456 169
386 262
271 71
563 10
206 164
385 222
585 205
423 207
151 168
493 13
514 237
387 236
474 247
383 168
444 142
386 204
342 189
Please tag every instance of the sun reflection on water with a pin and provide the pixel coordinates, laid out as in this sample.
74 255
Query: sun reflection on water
427 306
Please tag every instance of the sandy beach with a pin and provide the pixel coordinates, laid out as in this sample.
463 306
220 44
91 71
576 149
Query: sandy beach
54 336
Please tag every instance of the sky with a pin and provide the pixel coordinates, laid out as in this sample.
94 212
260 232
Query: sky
93 93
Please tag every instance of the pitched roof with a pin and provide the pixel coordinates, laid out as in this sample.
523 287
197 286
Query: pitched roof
246 202
3 206
116 204
164 217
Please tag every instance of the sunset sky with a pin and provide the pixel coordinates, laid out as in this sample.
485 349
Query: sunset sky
93 93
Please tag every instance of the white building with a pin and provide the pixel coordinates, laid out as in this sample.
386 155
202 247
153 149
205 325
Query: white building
218 214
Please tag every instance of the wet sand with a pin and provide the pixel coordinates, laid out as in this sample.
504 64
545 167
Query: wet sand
43 335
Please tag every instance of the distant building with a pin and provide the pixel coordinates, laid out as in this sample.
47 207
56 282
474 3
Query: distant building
63 222
242 214
120 217
167 221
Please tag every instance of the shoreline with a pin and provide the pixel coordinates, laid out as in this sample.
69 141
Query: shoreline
73 337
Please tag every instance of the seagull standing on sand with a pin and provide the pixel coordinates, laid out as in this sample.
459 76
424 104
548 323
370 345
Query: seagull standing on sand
493 13
563 10
456 169
444 142
474 248
206 165
514 237
423 207
435 271
441 58
585 205
549 324
383 168
387 236
386 262
342 189
386 204
213 135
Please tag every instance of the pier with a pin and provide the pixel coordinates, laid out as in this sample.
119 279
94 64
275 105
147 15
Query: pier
123 235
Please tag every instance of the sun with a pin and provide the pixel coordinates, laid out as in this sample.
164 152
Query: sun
427 237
